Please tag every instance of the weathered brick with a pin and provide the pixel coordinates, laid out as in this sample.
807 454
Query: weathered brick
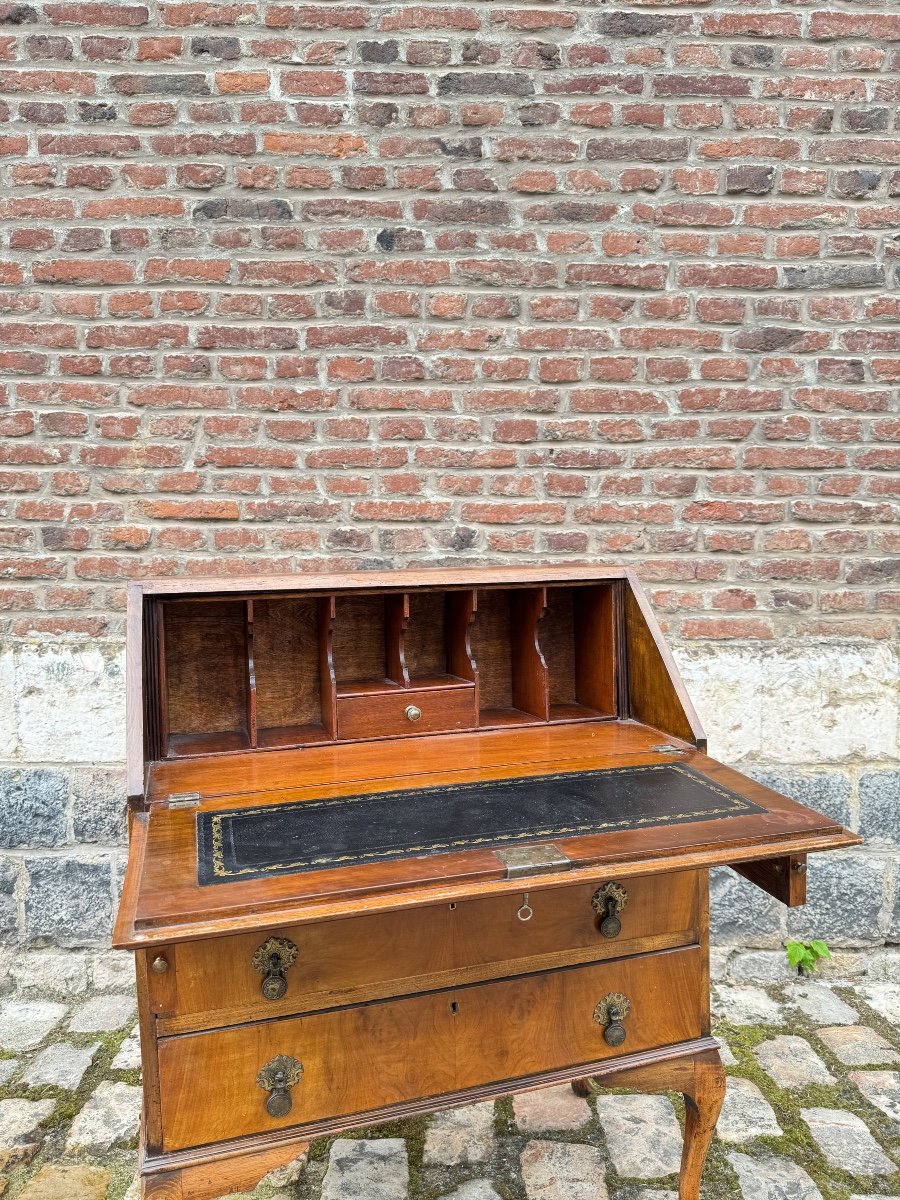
152 84
485 83
821 275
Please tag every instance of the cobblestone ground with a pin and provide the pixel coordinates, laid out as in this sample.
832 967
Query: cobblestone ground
812 1111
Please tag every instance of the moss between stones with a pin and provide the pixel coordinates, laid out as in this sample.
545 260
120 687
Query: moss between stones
69 1104
719 1180
796 1142
412 1131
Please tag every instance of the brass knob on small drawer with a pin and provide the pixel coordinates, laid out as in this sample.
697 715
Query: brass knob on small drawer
412 713
160 965
277 1078
610 1013
272 959
608 901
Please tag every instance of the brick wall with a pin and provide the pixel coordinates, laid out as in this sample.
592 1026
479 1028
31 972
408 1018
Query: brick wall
364 282
333 283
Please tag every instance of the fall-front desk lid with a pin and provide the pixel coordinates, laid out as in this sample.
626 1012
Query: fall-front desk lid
258 841
312 834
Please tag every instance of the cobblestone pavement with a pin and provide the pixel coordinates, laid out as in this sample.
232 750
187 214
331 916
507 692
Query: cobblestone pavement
812 1111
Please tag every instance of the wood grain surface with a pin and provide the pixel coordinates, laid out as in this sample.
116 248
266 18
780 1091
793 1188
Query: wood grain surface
364 1058
212 981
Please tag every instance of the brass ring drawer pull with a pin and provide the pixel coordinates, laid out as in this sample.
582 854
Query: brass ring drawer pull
610 1013
608 901
277 1078
272 959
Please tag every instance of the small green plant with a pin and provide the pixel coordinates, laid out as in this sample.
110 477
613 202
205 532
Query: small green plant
805 956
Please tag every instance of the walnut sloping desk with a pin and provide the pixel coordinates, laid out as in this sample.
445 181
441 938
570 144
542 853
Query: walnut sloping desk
404 841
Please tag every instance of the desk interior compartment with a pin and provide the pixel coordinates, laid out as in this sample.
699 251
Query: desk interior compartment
577 637
206 697
400 664
436 652
366 643
512 674
288 637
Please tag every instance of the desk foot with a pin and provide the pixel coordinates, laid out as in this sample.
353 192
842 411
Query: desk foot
703 1103
701 1080
211 1180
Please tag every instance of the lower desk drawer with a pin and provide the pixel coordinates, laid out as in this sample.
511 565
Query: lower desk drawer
390 1053
213 982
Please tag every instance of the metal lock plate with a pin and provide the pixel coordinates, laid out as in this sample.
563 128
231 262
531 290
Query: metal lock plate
183 800
533 860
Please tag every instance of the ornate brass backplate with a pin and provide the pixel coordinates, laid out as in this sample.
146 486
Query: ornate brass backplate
610 1013
278 1077
272 959
608 901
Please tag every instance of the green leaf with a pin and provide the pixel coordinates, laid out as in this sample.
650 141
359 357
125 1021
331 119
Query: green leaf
820 949
796 952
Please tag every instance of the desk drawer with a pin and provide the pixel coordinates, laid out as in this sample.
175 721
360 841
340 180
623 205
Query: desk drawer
214 982
393 714
391 1053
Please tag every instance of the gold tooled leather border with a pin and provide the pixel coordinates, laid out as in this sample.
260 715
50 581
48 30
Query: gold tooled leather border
736 804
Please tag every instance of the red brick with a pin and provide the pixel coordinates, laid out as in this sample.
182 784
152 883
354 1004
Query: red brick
598 343
190 510
728 628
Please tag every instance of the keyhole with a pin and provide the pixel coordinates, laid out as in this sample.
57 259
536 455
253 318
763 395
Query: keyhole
452 907
454 1007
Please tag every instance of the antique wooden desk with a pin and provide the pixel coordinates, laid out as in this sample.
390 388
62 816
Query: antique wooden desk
406 840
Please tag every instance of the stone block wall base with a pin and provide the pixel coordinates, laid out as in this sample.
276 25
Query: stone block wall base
818 720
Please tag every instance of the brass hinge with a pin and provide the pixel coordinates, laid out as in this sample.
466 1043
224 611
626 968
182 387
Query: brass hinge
183 800
533 860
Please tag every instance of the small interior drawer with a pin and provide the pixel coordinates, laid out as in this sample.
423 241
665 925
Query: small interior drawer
218 981
406 711
365 1059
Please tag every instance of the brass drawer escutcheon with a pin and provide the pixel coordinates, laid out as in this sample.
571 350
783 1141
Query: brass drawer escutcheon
610 1013
272 959
278 1077
608 901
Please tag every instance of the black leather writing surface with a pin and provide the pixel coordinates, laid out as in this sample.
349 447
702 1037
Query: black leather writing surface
315 835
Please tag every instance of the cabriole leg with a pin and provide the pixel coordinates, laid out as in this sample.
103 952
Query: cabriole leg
701 1080
702 1104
